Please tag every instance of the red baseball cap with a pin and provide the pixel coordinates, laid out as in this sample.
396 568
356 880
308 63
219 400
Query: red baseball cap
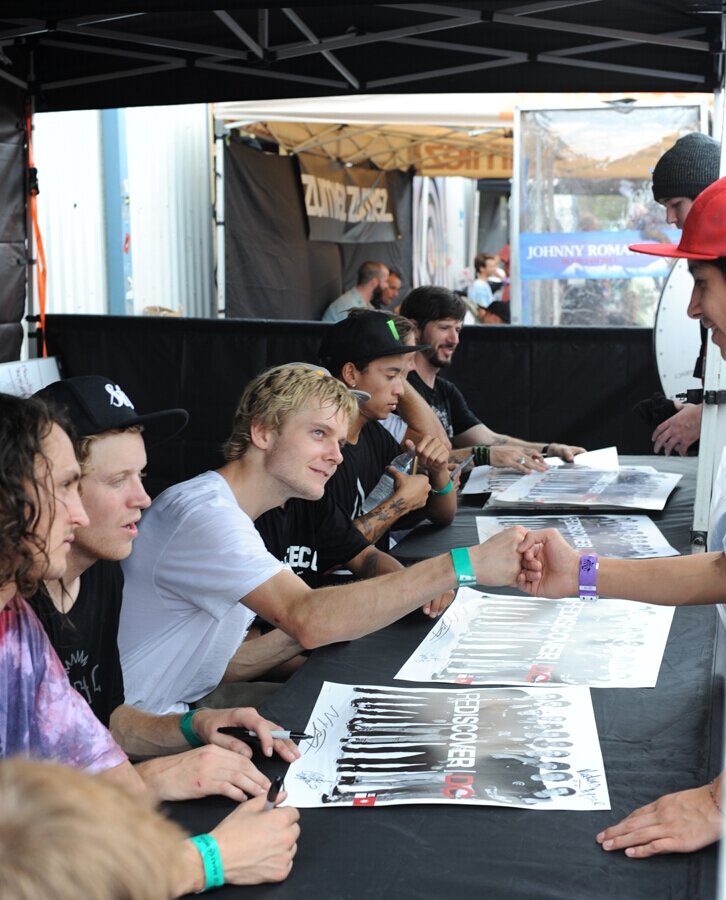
704 231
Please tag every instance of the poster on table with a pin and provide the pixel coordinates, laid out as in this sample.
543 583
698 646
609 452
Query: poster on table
604 458
486 479
624 536
496 639
533 748
630 487
490 479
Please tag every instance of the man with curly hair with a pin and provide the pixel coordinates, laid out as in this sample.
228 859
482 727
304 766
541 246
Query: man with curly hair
40 714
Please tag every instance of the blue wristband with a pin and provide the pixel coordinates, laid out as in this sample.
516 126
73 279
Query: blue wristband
211 859
190 736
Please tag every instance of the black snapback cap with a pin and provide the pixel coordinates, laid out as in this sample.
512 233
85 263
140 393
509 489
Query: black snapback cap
95 404
368 335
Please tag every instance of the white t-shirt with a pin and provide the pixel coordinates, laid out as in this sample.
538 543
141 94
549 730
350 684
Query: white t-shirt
196 555
394 425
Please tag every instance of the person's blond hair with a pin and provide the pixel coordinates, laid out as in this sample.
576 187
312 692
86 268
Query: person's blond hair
65 835
276 393
83 445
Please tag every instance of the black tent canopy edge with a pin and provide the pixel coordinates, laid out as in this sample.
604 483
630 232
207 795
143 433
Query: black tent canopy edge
126 54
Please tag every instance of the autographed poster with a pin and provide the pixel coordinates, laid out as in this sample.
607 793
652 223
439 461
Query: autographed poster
486 479
627 488
624 536
533 748
495 639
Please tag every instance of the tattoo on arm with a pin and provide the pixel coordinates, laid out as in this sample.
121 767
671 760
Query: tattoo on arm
373 524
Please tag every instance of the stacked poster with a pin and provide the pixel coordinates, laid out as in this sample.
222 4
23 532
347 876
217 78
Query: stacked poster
625 536
495 639
489 479
630 487
531 748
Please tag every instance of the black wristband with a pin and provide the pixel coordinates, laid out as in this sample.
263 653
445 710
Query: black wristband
481 455
545 450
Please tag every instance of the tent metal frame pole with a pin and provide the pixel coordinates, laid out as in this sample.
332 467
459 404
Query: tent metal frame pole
220 133
515 283
713 415
30 313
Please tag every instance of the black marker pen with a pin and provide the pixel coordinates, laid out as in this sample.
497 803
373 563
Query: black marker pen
275 789
244 734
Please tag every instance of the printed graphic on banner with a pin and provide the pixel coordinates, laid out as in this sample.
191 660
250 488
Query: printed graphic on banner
533 748
628 537
630 487
347 204
496 639
589 254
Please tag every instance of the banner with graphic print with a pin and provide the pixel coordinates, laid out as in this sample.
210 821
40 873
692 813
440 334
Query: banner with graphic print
589 254
348 204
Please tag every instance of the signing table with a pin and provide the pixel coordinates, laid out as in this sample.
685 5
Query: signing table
653 741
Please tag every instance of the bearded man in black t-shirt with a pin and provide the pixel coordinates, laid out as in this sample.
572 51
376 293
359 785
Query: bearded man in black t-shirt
439 314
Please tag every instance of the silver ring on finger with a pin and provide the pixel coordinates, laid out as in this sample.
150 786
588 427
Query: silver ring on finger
522 460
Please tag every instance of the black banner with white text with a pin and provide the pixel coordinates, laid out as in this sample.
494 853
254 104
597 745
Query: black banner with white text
348 204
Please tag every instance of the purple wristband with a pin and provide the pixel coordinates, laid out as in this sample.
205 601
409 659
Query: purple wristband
587 576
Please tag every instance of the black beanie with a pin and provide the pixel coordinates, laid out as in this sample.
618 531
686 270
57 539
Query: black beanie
687 168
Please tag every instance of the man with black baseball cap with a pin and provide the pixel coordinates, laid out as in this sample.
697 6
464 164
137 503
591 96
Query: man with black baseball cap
81 612
365 351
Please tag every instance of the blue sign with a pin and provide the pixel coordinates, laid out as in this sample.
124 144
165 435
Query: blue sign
590 254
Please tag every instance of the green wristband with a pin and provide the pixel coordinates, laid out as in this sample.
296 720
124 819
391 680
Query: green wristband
186 729
444 490
212 860
462 566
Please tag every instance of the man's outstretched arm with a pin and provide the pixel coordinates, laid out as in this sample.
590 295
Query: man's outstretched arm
550 569
341 613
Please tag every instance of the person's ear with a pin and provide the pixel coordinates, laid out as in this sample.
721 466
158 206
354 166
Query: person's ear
349 374
260 434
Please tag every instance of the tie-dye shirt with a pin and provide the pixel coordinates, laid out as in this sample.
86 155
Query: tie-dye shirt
41 715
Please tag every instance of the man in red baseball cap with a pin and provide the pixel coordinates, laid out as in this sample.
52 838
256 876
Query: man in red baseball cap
687 820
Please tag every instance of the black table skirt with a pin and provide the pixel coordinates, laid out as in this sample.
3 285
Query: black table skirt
653 741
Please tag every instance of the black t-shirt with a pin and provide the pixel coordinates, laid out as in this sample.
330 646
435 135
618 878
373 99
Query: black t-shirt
361 469
447 402
311 537
85 638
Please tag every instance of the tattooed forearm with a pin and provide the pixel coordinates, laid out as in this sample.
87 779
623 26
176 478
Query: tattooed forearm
373 524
